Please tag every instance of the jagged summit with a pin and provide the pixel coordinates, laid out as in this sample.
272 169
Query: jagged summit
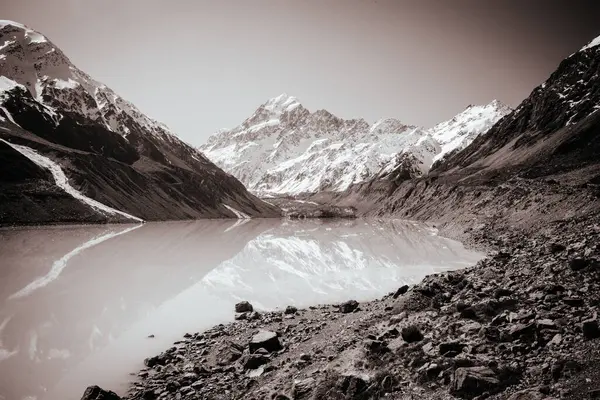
31 35
595 42
283 148
281 103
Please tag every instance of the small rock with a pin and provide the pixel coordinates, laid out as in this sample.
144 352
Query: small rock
498 293
348 306
594 393
573 301
267 340
255 360
255 373
376 347
97 393
451 349
473 381
400 291
577 264
302 388
253 315
590 328
468 312
243 306
411 334
518 330
556 248
290 310
241 316
528 394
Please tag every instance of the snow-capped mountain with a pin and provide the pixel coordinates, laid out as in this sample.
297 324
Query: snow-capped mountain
96 152
283 148
446 138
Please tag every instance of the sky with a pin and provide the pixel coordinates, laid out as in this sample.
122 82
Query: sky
199 66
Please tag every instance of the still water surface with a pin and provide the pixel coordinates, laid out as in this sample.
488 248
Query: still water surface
77 303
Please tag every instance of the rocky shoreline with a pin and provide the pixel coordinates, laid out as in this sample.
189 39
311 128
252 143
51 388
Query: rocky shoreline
521 324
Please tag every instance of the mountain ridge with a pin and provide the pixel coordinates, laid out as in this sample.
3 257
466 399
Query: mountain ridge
284 149
109 150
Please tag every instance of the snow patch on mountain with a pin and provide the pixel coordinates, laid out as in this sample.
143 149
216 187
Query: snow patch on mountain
62 181
8 84
593 43
285 149
238 214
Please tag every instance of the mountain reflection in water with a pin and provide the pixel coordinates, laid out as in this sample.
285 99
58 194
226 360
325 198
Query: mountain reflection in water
78 302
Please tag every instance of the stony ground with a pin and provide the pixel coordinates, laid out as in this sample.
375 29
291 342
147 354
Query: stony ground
521 324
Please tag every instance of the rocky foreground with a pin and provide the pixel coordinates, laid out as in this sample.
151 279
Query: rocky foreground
521 324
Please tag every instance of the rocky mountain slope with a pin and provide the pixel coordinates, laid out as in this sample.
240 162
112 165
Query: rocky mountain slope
107 149
283 148
539 163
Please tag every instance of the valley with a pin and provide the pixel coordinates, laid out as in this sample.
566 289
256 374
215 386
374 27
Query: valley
322 262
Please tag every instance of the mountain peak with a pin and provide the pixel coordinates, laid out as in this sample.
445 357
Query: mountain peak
29 34
593 43
498 104
281 103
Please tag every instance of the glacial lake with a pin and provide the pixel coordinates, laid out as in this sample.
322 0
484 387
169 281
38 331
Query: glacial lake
77 303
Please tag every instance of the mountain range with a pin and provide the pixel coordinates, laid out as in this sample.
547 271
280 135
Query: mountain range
284 149
538 164
73 150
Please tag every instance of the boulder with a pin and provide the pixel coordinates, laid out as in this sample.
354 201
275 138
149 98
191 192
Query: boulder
265 340
243 306
473 381
413 301
290 310
349 306
97 393
451 349
401 290
411 334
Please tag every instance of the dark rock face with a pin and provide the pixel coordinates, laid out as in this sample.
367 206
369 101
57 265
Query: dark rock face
97 393
265 340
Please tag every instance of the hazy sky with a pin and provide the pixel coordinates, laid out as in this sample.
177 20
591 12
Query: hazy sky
203 65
